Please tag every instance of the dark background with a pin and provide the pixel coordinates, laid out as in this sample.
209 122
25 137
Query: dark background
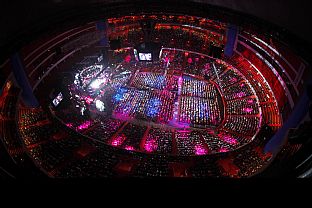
20 15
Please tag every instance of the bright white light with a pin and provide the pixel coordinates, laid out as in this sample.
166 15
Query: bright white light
145 56
97 83
99 105
82 110
58 99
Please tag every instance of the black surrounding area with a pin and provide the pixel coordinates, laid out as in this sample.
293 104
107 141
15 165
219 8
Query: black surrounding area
27 20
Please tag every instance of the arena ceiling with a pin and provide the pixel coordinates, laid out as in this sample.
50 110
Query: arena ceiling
295 16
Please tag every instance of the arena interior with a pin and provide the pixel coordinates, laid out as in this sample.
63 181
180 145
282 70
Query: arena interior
144 89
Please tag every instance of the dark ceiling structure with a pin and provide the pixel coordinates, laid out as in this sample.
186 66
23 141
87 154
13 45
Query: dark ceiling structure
292 15
22 19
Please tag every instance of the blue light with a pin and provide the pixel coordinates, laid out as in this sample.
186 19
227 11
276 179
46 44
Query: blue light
127 108
119 94
158 82
185 77
118 97
203 111
153 107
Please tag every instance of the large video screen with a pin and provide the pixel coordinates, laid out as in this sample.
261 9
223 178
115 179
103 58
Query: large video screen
145 56
58 99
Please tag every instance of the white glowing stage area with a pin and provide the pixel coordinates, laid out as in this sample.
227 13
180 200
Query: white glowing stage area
162 108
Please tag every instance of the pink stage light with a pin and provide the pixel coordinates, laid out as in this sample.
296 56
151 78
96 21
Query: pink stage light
248 110
199 150
189 60
69 125
240 94
84 125
128 58
223 149
229 139
117 141
150 145
207 66
250 101
234 79
122 115
130 148
88 100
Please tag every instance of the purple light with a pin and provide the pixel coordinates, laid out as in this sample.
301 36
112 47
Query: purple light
248 110
234 79
84 125
229 140
240 94
200 150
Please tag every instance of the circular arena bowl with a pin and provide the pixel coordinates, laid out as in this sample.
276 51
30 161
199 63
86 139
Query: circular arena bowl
185 103
130 90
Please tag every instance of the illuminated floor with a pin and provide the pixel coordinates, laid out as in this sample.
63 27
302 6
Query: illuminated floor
163 111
